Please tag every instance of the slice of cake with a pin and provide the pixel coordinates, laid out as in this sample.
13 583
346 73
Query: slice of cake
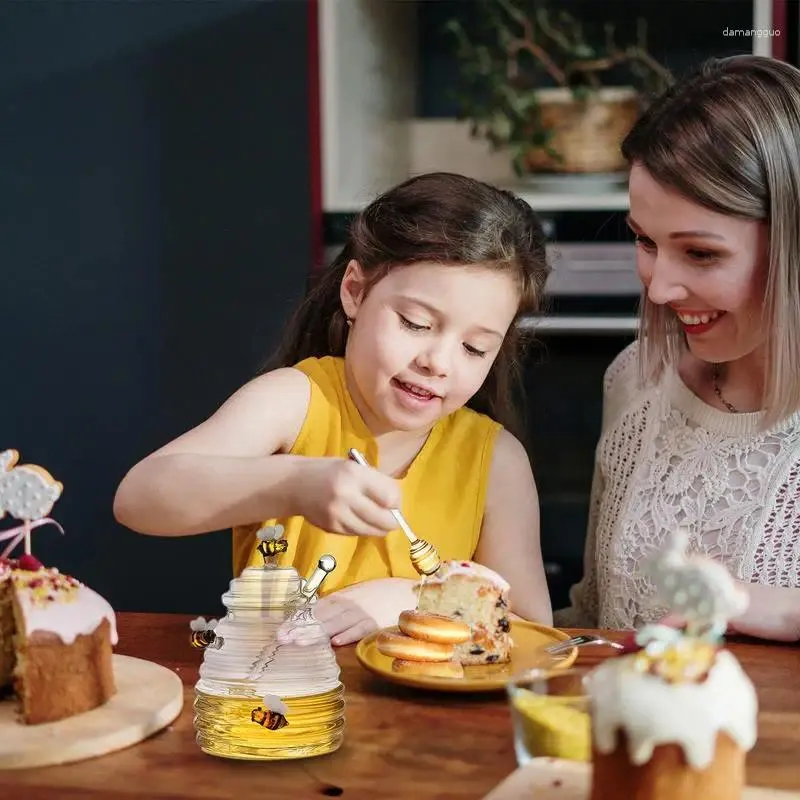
56 634
7 627
56 639
478 596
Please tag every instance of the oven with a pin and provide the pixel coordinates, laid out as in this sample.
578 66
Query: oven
591 315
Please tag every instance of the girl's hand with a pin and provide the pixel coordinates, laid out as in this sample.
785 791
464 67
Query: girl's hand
356 611
340 496
344 620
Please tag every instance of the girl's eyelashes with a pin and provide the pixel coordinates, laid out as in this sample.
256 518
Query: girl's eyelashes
473 351
416 328
412 326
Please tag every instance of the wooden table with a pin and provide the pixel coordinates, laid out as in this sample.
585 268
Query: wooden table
399 743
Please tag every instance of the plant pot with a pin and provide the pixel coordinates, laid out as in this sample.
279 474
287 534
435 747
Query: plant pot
587 134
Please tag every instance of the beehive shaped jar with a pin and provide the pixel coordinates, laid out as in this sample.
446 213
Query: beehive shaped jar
269 685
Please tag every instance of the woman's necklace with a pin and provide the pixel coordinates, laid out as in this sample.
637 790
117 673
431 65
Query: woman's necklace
716 372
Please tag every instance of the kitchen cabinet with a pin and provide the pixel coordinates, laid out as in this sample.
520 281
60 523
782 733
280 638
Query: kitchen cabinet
375 70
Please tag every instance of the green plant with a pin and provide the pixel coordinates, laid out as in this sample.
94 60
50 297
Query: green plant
522 43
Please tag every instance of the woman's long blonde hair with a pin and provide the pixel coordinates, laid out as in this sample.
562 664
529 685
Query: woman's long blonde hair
728 138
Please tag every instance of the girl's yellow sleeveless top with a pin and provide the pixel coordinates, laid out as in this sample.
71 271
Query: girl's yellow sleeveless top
444 489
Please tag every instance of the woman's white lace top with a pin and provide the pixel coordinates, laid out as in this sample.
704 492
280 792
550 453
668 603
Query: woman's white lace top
667 459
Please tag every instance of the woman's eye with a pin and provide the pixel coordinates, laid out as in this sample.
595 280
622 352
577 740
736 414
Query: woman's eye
473 351
646 244
412 326
702 255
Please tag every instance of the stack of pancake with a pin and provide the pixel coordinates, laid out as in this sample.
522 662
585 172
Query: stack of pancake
425 645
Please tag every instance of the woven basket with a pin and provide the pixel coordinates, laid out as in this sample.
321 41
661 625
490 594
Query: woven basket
587 134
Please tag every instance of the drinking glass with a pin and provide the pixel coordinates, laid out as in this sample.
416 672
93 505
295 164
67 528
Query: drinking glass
550 715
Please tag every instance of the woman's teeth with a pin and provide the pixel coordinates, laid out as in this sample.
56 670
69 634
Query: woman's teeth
699 319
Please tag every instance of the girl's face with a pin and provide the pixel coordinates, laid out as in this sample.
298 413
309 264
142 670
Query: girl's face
423 339
709 268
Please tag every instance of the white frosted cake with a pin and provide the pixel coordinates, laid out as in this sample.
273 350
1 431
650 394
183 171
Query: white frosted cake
56 639
56 634
674 718
478 596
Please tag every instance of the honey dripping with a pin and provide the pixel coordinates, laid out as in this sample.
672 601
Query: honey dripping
422 580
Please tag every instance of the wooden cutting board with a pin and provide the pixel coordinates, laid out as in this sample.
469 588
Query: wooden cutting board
549 779
149 697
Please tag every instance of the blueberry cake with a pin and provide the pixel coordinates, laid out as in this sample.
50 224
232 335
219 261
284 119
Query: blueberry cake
476 595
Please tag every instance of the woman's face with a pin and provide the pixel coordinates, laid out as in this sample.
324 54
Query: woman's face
708 268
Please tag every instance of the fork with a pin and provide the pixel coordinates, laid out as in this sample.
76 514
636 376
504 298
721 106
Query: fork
579 641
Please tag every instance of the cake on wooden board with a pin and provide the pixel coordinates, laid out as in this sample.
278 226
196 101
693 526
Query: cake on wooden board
478 596
56 634
674 718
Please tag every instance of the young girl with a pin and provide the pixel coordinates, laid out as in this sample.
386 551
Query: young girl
702 415
405 349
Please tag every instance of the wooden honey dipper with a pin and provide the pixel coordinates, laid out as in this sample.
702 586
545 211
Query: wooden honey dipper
424 556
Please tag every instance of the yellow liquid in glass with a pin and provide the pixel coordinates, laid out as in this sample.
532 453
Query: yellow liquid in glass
224 727
554 726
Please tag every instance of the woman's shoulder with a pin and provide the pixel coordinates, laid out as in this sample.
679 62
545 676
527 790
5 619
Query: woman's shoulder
623 369
624 394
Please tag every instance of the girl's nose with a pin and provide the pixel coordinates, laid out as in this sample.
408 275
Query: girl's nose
435 358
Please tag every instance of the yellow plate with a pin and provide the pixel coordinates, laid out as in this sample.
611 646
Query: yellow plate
529 638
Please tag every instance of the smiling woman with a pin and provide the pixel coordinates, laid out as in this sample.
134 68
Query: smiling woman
406 350
709 270
701 425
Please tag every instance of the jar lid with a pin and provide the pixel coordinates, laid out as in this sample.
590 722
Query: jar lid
265 587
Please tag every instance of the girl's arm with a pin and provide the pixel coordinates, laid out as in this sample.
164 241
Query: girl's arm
509 542
773 613
223 472
234 469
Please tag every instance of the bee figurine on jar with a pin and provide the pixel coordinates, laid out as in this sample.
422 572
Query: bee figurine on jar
272 715
271 542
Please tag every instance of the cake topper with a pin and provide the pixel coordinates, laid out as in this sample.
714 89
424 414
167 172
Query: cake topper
696 588
28 493
272 715
271 542
203 634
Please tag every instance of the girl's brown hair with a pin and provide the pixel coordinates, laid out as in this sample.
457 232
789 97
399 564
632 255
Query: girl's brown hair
437 218
726 137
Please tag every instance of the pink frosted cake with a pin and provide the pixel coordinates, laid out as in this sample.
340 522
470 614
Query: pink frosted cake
478 596
56 634
56 639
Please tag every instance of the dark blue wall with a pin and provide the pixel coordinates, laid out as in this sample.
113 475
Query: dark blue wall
155 229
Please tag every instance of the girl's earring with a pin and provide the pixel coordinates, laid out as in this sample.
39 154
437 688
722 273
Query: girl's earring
349 322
